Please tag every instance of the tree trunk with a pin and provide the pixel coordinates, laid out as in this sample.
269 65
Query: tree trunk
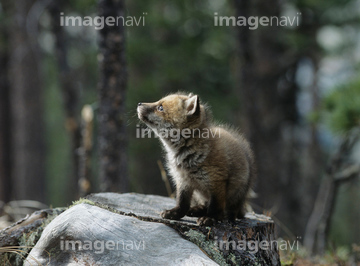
28 149
112 87
339 171
5 150
269 109
70 92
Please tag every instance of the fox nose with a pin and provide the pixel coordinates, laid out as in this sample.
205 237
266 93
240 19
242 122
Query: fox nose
139 104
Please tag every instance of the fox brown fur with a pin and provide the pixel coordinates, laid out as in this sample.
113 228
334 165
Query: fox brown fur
213 172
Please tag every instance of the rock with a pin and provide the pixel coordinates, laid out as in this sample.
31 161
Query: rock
126 229
91 235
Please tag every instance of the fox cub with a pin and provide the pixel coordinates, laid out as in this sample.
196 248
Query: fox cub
212 166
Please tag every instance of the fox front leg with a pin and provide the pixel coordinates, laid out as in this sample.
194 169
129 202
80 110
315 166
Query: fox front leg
183 198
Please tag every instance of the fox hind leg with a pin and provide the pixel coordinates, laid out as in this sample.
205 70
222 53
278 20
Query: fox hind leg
197 211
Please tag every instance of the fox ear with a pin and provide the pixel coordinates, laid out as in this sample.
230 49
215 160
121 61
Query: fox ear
192 105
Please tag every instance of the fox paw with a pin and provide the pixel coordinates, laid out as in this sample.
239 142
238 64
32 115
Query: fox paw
197 211
172 214
206 221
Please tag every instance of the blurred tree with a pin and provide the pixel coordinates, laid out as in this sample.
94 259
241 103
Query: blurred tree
5 150
272 59
269 94
340 170
306 150
340 110
70 92
26 105
70 77
112 92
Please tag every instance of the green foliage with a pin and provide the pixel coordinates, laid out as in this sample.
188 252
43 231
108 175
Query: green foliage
81 201
342 107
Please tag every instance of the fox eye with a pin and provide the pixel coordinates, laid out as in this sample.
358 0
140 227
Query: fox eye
160 108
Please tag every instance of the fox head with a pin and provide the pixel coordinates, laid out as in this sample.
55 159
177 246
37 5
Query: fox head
176 111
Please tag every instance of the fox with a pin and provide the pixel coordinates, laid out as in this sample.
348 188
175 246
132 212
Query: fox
212 166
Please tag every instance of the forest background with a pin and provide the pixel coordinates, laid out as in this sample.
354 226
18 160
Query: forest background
293 90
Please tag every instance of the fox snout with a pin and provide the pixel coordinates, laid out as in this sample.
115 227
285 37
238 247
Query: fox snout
145 113
142 111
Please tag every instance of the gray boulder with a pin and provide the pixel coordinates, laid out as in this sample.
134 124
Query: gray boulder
126 229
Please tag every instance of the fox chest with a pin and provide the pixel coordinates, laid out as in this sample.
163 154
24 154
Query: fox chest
195 176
